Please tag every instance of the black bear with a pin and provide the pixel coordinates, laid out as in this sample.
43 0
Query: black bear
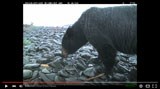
109 30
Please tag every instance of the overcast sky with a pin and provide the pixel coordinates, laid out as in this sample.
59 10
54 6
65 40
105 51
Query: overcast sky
55 14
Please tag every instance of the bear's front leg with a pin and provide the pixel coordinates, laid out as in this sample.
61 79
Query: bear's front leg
107 55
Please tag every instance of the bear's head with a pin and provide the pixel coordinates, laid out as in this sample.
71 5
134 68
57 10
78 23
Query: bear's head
68 42
72 40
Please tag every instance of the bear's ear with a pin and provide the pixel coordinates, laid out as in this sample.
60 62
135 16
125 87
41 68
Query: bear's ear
69 32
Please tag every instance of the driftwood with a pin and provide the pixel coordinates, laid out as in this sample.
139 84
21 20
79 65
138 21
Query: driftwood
44 65
100 75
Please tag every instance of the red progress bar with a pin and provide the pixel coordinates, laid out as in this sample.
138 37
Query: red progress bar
42 82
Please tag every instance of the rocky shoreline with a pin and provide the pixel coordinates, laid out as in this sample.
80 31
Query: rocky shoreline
42 61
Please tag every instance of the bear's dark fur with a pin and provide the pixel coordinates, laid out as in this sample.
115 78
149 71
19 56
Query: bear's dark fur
108 29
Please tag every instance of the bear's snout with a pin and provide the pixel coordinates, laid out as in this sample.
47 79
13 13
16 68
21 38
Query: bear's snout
64 53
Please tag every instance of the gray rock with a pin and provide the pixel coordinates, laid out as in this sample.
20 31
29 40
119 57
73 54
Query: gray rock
83 78
44 78
94 53
45 70
100 68
38 56
51 76
90 65
49 56
81 73
25 60
70 69
133 60
82 61
34 38
97 80
31 48
57 42
68 59
71 72
80 66
27 74
33 61
118 58
43 61
85 55
90 72
40 48
103 77
63 73
55 70
122 68
56 64
121 58
59 79
35 74
123 54
68 62
94 61
58 59
86 48
34 82
31 66
71 79
58 53
119 77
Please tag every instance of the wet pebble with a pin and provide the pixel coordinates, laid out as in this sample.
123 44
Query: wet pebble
26 60
121 68
31 66
27 74
119 77
44 77
85 55
35 74
57 63
71 79
83 78
89 72
70 69
133 60
59 79
45 70
63 73
51 76
55 70
80 66
43 61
